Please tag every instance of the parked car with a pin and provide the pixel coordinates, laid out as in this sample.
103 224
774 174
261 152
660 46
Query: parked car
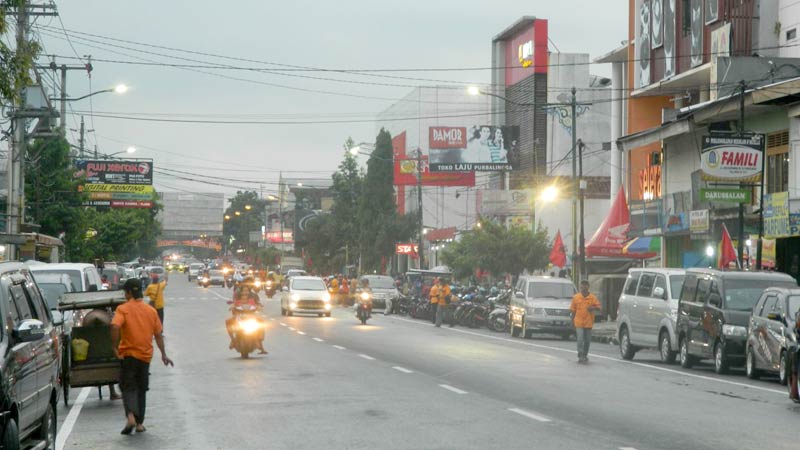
195 270
85 277
648 312
29 363
771 333
305 295
112 277
714 311
53 286
541 304
158 270
384 291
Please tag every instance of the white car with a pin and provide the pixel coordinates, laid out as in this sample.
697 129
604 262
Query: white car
85 277
305 295
195 270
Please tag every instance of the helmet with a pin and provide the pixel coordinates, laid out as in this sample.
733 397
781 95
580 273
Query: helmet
493 290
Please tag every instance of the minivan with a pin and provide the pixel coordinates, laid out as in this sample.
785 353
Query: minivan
714 311
541 304
85 277
648 312
771 335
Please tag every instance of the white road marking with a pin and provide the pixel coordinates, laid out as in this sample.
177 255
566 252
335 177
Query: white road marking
529 415
452 389
318 340
402 369
218 295
607 358
271 318
339 347
366 357
627 448
72 417
291 328
302 333
283 324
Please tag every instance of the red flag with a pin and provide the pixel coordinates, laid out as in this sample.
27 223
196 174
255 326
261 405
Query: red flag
558 256
610 237
727 254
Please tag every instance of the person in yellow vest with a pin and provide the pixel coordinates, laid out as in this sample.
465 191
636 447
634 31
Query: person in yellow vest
443 295
583 308
434 296
155 292
334 288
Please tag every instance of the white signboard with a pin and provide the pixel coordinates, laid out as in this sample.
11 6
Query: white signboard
505 203
698 221
726 157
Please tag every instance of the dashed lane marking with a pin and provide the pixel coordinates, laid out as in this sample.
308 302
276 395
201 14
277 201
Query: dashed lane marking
366 357
607 358
452 389
291 328
530 415
283 324
339 347
72 417
301 333
627 448
402 369
318 340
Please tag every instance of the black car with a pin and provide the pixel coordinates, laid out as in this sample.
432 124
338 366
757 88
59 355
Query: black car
771 333
29 367
714 311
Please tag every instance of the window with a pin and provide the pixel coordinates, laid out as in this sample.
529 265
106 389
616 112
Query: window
675 284
633 282
742 295
35 302
646 285
308 285
794 306
703 287
689 288
686 17
791 34
544 289
780 307
769 305
778 162
661 281
21 302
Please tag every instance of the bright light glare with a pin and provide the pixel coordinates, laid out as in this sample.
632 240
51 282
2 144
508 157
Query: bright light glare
354 151
473 90
748 242
120 89
549 194
249 326
710 251
131 149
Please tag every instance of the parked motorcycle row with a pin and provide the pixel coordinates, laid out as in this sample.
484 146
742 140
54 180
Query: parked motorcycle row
470 309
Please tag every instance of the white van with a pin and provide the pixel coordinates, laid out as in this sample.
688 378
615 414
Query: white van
648 312
84 276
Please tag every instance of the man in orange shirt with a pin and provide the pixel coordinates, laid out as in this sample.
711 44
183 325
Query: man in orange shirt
133 328
584 306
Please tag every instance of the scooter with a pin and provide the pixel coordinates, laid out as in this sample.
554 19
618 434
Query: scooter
270 287
364 307
248 331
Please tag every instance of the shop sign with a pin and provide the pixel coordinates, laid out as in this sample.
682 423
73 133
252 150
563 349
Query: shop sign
776 215
676 223
650 183
698 222
406 249
728 157
725 195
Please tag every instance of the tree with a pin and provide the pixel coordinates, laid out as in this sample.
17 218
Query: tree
249 219
380 225
16 64
122 234
498 249
51 194
347 185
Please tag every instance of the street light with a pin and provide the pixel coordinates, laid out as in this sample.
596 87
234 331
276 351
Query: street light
227 217
118 89
237 213
248 207
549 194
128 150
710 251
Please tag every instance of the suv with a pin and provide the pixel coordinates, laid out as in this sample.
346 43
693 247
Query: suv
85 277
714 311
29 365
196 270
771 333
541 304
648 312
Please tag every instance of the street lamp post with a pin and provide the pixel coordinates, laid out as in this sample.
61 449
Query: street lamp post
119 89
130 150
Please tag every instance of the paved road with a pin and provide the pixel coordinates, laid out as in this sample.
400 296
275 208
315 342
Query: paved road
399 383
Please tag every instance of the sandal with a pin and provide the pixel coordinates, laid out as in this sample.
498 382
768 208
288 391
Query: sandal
128 429
141 430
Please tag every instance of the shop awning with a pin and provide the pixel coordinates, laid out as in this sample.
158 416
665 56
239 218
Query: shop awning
643 247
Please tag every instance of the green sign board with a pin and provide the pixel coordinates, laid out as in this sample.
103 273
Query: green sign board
725 195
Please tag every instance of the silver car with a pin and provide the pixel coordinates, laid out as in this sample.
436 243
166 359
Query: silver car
541 305
648 312
384 292
305 295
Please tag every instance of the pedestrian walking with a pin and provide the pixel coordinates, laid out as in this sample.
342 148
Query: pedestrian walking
443 296
582 310
433 294
133 328
155 292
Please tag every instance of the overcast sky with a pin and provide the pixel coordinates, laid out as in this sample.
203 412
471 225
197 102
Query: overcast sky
344 34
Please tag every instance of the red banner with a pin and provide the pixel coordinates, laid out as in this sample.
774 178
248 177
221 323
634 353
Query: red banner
447 137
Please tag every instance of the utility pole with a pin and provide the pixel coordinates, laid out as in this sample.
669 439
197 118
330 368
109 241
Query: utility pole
740 247
81 141
420 243
575 263
280 209
63 88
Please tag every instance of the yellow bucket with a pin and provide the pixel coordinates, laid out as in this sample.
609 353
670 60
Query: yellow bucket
80 349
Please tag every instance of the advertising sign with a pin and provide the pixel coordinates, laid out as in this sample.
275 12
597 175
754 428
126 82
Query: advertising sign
776 215
725 195
115 171
406 249
669 38
526 52
698 222
505 203
482 148
727 157
405 169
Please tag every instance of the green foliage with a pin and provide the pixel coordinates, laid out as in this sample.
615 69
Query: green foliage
347 185
499 250
122 234
15 63
240 226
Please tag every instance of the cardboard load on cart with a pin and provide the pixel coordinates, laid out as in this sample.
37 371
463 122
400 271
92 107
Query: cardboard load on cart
90 300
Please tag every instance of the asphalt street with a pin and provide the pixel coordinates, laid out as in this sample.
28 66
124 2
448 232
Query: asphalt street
400 383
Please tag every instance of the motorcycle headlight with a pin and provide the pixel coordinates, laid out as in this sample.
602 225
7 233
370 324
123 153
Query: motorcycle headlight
258 283
364 296
734 330
269 283
249 326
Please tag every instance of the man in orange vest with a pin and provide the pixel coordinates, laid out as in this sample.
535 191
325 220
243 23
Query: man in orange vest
583 308
434 296
443 294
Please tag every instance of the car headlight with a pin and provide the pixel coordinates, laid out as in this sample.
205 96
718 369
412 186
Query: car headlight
364 296
249 326
734 330
326 297
292 305
328 306
295 297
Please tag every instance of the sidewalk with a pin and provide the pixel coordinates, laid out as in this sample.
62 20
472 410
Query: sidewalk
605 332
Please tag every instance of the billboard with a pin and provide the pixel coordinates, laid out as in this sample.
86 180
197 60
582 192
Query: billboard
505 203
728 157
526 52
116 183
480 148
405 169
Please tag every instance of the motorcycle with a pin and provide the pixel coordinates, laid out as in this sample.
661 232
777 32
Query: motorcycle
204 281
364 307
498 318
247 329
270 287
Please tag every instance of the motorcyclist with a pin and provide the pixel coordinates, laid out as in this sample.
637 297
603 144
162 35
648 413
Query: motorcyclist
245 295
367 302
